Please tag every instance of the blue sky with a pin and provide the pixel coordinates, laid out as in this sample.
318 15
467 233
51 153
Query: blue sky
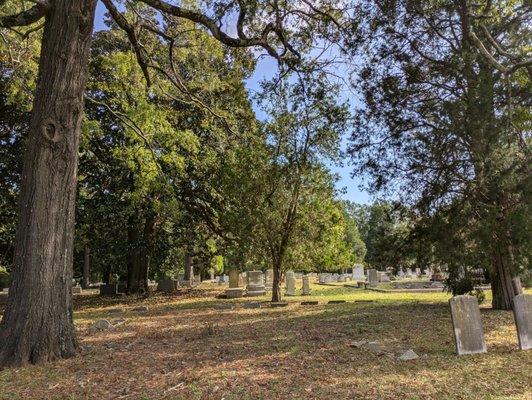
266 68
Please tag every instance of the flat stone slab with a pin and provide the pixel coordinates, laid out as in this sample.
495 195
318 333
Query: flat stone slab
280 304
408 355
224 306
309 303
336 301
523 320
252 305
140 309
467 325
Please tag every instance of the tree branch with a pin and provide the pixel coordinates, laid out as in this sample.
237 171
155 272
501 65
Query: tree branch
122 22
26 17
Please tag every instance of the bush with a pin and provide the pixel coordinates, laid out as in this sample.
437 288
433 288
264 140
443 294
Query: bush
5 279
464 286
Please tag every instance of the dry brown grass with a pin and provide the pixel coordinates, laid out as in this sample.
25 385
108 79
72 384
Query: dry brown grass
183 348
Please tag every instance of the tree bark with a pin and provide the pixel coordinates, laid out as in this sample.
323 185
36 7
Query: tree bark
504 286
37 324
276 285
85 282
189 268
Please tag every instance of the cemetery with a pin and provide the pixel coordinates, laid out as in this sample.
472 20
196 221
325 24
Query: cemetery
255 200
334 342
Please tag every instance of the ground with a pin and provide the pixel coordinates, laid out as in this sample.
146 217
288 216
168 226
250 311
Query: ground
184 348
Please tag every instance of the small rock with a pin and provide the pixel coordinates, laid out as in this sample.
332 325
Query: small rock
358 344
140 309
102 325
408 355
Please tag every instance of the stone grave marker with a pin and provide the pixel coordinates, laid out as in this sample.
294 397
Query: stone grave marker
234 290
255 285
358 273
108 289
305 288
167 285
467 325
290 284
373 277
523 320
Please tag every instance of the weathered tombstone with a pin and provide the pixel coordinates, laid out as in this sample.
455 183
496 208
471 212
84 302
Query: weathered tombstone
305 288
384 277
255 285
358 273
341 278
108 289
400 273
76 289
234 289
197 279
373 278
418 271
409 272
290 284
523 320
467 325
167 285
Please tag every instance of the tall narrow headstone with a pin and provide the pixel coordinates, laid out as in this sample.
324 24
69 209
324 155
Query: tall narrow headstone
467 325
523 320
358 273
290 284
305 288
373 277
255 285
234 290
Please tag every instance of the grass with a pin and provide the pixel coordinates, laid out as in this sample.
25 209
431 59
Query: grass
183 348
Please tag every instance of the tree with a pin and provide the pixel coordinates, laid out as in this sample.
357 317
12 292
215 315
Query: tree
444 125
37 327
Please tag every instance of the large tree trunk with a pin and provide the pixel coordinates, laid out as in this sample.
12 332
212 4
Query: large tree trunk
189 267
276 285
37 324
85 282
504 286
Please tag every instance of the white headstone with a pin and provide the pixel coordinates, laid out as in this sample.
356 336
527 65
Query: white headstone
305 288
290 284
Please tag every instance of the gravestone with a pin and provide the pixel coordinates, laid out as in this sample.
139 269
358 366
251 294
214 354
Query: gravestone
290 284
255 285
167 285
418 271
358 273
234 290
373 278
197 279
400 273
384 277
76 289
523 320
409 272
321 278
110 289
341 278
305 288
467 325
